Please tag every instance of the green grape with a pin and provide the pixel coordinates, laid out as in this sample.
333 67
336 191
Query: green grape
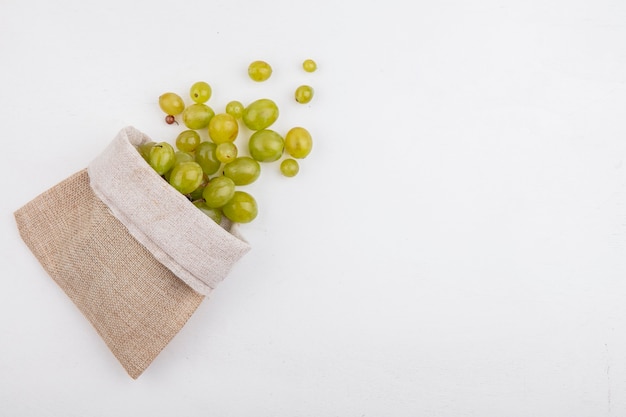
289 167
179 156
196 194
161 157
205 156
200 92
223 128
266 145
298 142
144 150
235 109
226 152
183 156
188 140
186 177
309 65
241 208
259 70
171 103
260 114
218 191
304 94
197 116
213 213
243 170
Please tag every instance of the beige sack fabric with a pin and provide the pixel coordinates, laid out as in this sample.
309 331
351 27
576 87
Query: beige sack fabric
102 235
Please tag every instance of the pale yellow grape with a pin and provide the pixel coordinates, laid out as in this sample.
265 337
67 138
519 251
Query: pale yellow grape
171 103
223 128
304 94
235 109
200 92
226 152
309 65
259 71
289 167
298 142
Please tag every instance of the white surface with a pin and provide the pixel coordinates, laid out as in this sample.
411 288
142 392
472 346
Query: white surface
455 245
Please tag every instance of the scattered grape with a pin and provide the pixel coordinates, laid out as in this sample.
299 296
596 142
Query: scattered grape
171 103
161 157
193 166
197 116
188 140
298 142
205 156
186 176
259 71
200 92
309 65
218 191
304 94
260 114
241 208
223 128
243 170
289 167
235 109
226 152
266 145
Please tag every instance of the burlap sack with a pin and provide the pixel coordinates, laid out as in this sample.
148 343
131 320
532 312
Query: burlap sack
133 254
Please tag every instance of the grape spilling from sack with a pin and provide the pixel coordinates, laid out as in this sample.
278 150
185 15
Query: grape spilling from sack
210 172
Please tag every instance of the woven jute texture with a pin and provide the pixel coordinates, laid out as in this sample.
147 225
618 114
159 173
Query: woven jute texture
136 304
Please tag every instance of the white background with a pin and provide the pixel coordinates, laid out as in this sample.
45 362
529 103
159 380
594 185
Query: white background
455 245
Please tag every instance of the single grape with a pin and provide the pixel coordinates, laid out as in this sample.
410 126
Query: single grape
226 152
200 92
213 213
205 156
289 167
243 170
266 145
241 208
170 120
223 128
186 176
235 109
197 116
161 157
304 94
188 140
259 70
309 65
171 103
218 191
260 114
298 142
196 195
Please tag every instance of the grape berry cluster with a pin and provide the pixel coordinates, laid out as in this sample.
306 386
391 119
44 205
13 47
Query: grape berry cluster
210 172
